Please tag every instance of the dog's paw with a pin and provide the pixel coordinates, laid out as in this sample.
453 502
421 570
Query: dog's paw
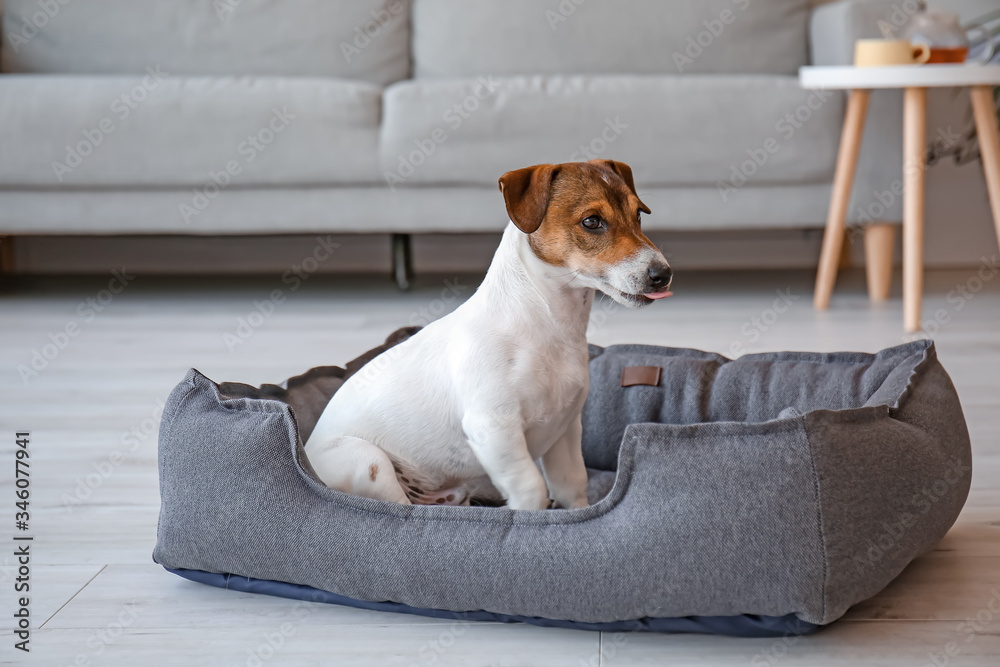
576 504
543 503
455 496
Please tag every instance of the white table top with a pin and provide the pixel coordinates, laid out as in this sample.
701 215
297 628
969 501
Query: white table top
899 76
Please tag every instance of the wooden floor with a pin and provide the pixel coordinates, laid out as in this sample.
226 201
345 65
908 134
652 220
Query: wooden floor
97 598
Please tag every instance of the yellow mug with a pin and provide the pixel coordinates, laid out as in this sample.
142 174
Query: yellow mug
886 52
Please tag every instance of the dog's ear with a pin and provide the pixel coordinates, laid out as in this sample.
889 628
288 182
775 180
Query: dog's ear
625 172
526 194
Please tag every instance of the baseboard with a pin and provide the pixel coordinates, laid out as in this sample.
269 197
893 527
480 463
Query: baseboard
7 261
370 253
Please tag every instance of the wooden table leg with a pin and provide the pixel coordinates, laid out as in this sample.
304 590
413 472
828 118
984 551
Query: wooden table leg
914 129
843 180
989 145
879 238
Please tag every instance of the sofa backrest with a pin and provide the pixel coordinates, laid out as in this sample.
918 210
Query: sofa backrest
509 37
352 39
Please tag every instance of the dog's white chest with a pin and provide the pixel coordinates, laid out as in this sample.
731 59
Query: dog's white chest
552 381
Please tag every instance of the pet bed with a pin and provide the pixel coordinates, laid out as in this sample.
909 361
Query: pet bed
757 497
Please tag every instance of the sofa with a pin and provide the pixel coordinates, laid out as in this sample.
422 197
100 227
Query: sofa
223 117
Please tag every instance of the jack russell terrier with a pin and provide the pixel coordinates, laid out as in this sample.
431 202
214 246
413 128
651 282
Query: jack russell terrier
466 406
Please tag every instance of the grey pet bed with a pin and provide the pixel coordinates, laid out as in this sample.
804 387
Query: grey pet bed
756 496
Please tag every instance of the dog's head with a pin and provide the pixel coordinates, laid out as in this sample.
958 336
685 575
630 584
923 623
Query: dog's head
584 216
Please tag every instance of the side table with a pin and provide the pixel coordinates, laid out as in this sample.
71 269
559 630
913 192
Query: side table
915 80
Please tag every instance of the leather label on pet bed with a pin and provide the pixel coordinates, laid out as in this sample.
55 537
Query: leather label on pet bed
644 375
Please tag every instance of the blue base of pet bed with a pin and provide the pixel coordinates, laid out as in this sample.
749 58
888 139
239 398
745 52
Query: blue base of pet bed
746 625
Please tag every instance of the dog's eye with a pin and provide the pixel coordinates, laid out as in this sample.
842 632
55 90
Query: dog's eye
593 223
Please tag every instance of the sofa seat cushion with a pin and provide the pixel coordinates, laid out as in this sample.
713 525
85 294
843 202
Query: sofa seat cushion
672 130
519 37
368 40
166 131
373 209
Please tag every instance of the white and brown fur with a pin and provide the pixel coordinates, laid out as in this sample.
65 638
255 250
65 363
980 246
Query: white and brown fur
486 402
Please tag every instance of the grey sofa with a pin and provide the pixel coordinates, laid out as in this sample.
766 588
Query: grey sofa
266 116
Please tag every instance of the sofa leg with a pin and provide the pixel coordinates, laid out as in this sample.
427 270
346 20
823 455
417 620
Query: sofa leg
6 259
402 265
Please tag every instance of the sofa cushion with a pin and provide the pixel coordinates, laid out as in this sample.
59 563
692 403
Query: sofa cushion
165 131
374 210
352 39
672 130
503 37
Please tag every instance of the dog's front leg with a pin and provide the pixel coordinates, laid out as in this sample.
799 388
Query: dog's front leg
502 451
565 470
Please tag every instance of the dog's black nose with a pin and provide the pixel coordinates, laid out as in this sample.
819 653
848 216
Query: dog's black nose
660 275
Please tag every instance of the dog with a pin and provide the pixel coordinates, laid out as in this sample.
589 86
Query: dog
466 406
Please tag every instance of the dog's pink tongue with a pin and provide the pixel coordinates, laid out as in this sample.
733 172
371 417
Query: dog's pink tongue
658 295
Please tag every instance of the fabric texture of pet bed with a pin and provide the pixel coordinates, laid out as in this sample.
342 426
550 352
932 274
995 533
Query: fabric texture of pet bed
758 496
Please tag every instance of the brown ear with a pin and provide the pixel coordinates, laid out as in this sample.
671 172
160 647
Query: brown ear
625 172
526 194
